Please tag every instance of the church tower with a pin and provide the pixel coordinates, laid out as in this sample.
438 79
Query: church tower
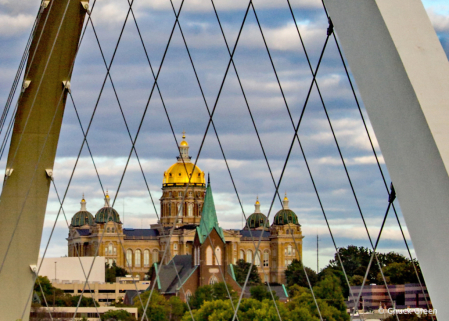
176 206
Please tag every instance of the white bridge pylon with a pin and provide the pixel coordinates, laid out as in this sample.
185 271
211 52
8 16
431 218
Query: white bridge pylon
402 71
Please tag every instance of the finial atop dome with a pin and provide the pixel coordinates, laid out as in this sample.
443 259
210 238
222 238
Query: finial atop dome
83 204
285 203
184 150
106 199
257 205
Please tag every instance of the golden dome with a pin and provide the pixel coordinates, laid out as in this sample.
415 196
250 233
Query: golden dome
177 174
184 143
285 197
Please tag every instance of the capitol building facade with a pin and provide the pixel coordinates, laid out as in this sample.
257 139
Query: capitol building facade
137 250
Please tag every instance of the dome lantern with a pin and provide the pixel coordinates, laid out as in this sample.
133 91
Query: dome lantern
285 202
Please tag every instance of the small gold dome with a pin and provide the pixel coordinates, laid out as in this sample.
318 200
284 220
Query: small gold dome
184 143
177 174
285 197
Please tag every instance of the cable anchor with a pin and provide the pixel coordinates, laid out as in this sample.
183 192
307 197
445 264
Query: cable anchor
330 29
392 195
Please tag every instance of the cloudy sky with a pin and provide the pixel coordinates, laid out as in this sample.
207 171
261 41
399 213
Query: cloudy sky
186 109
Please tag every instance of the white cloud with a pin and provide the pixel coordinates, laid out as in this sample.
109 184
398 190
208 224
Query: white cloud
439 21
224 5
15 25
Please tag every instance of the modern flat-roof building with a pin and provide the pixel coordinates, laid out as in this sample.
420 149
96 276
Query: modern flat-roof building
404 296
104 293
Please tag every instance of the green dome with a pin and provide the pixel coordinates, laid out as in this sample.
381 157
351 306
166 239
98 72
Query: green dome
107 214
285 216
82 218
256 220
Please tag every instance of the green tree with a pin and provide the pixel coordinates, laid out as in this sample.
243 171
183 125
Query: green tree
398 273
119 315
85 302
211 292
114 271
260 293
241 271
295 274
157 307
175 308
329 289
356 280
250 310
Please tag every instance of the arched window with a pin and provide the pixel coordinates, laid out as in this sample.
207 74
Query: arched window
169 208
213 280
249 256
242 255
175 249
257 259
110 248
190 209
266 258
115 251
289 249
218 255
188 295
180 194
113 230
129 257
209 256
137 258
107 231
155 258
146 258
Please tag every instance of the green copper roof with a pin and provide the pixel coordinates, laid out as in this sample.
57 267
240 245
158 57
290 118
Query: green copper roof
208 218
81 218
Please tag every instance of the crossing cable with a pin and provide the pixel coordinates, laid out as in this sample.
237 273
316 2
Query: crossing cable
76 247
391 199
23 64
209 122
376 156
218 139
19 72
378 164
330 31
219 142
99 179
181 208
148 102
295 136
46 137
251 115
121 110
45 300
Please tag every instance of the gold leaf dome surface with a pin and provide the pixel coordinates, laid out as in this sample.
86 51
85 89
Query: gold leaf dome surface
179 174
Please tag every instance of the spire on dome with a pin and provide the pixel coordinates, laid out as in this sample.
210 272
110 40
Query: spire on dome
107 199
83 204
285 203
257 205
184 150
209 219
